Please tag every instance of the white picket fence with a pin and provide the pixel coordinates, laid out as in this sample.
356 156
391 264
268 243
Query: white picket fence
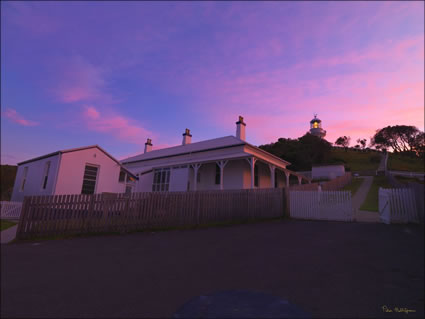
10 210
397 205
322 205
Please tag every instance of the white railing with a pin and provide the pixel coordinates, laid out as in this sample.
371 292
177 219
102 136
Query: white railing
397 205
10 210
322 205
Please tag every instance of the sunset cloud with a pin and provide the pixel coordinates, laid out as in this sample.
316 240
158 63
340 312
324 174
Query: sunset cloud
15 117
78 80
168 66
115 125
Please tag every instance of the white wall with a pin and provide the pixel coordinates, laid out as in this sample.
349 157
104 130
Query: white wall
264 178
71 172
281 179
232 176
329 171
178 179
34 180
144 184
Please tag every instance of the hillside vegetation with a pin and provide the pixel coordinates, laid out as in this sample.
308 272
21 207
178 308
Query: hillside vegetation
355 160
399 162
310 150
7 178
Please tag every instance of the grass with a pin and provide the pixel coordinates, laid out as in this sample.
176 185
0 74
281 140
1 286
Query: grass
353 186
397 162
5 224
356 161
371 201
405 180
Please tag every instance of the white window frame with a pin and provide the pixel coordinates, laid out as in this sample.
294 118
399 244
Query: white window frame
161 179
24 179
119 176
97 177
45 178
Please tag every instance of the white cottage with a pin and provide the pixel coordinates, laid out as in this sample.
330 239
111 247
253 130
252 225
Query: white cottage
222 163
85 170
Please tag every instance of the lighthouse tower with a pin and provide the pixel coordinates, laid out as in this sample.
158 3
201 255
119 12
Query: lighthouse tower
316 127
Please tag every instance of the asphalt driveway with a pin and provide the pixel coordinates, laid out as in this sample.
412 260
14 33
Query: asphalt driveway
328 269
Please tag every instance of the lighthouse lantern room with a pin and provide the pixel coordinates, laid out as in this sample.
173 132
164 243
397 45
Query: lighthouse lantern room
316 127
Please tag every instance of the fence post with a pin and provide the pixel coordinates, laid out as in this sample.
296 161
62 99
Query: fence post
22 219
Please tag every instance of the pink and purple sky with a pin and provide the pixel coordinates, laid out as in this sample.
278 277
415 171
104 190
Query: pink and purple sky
115 73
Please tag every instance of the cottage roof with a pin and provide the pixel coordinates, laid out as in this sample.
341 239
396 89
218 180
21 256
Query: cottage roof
74 150
208 145
216 143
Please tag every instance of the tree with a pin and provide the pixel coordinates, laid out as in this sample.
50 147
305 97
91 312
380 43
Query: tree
418 145
362 143
301 152
400 138
343 141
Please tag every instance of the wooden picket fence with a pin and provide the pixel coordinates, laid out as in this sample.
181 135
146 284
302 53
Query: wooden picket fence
10 210
78 214
321 205
397 205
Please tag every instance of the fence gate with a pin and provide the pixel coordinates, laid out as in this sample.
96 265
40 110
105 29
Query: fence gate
322 205
397 205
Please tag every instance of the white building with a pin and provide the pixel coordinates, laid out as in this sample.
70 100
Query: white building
316 127
84 170
327 171
222 163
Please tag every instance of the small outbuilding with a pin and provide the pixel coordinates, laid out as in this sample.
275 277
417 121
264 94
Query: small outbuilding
84 170
327 171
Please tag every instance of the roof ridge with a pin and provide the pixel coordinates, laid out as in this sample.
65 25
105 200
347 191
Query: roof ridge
181 147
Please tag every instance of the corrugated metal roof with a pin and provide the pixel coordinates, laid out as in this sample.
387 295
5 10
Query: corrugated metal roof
78 149
221 142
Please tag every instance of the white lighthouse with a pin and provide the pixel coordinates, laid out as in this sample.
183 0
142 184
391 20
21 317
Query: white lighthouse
316 127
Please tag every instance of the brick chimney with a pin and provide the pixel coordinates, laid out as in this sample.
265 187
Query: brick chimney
240 129
148 145
187 137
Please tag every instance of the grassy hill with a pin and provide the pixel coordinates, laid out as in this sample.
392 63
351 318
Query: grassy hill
398 162
7 178
355 160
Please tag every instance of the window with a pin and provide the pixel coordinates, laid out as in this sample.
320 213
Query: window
46 175
161 180
121 179
256 176
89 179
217 174
24 178
128 190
